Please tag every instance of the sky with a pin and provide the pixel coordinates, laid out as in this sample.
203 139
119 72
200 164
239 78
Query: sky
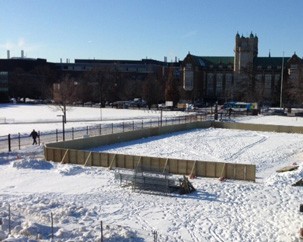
138 29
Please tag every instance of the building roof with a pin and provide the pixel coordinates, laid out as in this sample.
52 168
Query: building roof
133 62
205 61
269 61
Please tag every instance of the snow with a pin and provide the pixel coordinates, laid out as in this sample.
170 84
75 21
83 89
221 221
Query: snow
79 198
24 118
276 120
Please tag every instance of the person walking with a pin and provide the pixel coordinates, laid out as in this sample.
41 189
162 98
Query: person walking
229 112
34 135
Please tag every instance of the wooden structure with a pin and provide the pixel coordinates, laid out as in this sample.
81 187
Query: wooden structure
192 168
73 152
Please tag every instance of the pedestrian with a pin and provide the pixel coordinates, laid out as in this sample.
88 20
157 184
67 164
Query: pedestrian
34 135
229 112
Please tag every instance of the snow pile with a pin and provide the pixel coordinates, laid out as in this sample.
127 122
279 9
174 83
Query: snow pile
32 164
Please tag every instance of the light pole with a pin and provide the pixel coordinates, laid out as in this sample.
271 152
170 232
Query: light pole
63 125
281 88
161 115
216 110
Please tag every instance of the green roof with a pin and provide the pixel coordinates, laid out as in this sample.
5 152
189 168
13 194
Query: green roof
270 61
205 61
212 60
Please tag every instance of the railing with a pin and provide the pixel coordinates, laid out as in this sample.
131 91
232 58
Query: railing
18 141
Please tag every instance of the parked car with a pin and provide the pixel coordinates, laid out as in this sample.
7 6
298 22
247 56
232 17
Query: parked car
279 112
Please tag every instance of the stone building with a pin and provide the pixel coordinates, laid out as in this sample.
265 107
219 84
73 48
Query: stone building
242 77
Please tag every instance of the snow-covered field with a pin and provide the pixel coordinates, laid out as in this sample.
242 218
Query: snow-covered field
24 118
79 198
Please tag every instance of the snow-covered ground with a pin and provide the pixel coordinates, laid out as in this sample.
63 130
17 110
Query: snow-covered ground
24 118
269 119
79 198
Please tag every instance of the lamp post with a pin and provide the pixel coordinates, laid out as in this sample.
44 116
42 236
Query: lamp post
216 110
63 125
281 87
161 115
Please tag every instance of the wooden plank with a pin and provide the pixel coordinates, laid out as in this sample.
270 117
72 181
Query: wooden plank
139 162
182 167
251 173
240 172
88 158
165 165
210 169
104 159
57 155
193 169
223 171
64 157
112 162
287 168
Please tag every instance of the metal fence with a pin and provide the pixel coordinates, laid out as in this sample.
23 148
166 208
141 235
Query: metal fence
46 228
18 141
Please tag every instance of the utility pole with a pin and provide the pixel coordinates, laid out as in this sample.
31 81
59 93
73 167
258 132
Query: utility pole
281 87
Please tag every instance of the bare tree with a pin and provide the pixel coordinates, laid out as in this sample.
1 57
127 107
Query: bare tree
65 92
152 90
244 85
294 88
171 86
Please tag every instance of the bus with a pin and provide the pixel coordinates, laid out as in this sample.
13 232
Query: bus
239 106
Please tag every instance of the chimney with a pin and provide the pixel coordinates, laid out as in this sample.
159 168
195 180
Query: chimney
176 59
165 59
22 54
8 54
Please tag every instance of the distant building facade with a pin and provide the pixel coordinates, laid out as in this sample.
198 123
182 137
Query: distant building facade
207 79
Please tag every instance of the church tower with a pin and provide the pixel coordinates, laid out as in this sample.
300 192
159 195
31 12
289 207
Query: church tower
246 49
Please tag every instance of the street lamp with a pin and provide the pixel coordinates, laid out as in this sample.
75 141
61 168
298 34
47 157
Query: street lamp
281 87
63 126
216 110
161 115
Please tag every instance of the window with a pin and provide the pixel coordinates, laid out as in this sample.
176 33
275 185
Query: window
259 77
210 82
277 79
228 81
188 78
219 84
267 85
3 77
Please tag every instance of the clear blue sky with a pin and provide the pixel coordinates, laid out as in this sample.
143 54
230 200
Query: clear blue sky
136 29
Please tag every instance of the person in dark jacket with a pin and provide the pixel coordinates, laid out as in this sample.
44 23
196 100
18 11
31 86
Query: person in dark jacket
34 135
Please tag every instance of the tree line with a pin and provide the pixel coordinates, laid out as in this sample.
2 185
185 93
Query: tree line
98 85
